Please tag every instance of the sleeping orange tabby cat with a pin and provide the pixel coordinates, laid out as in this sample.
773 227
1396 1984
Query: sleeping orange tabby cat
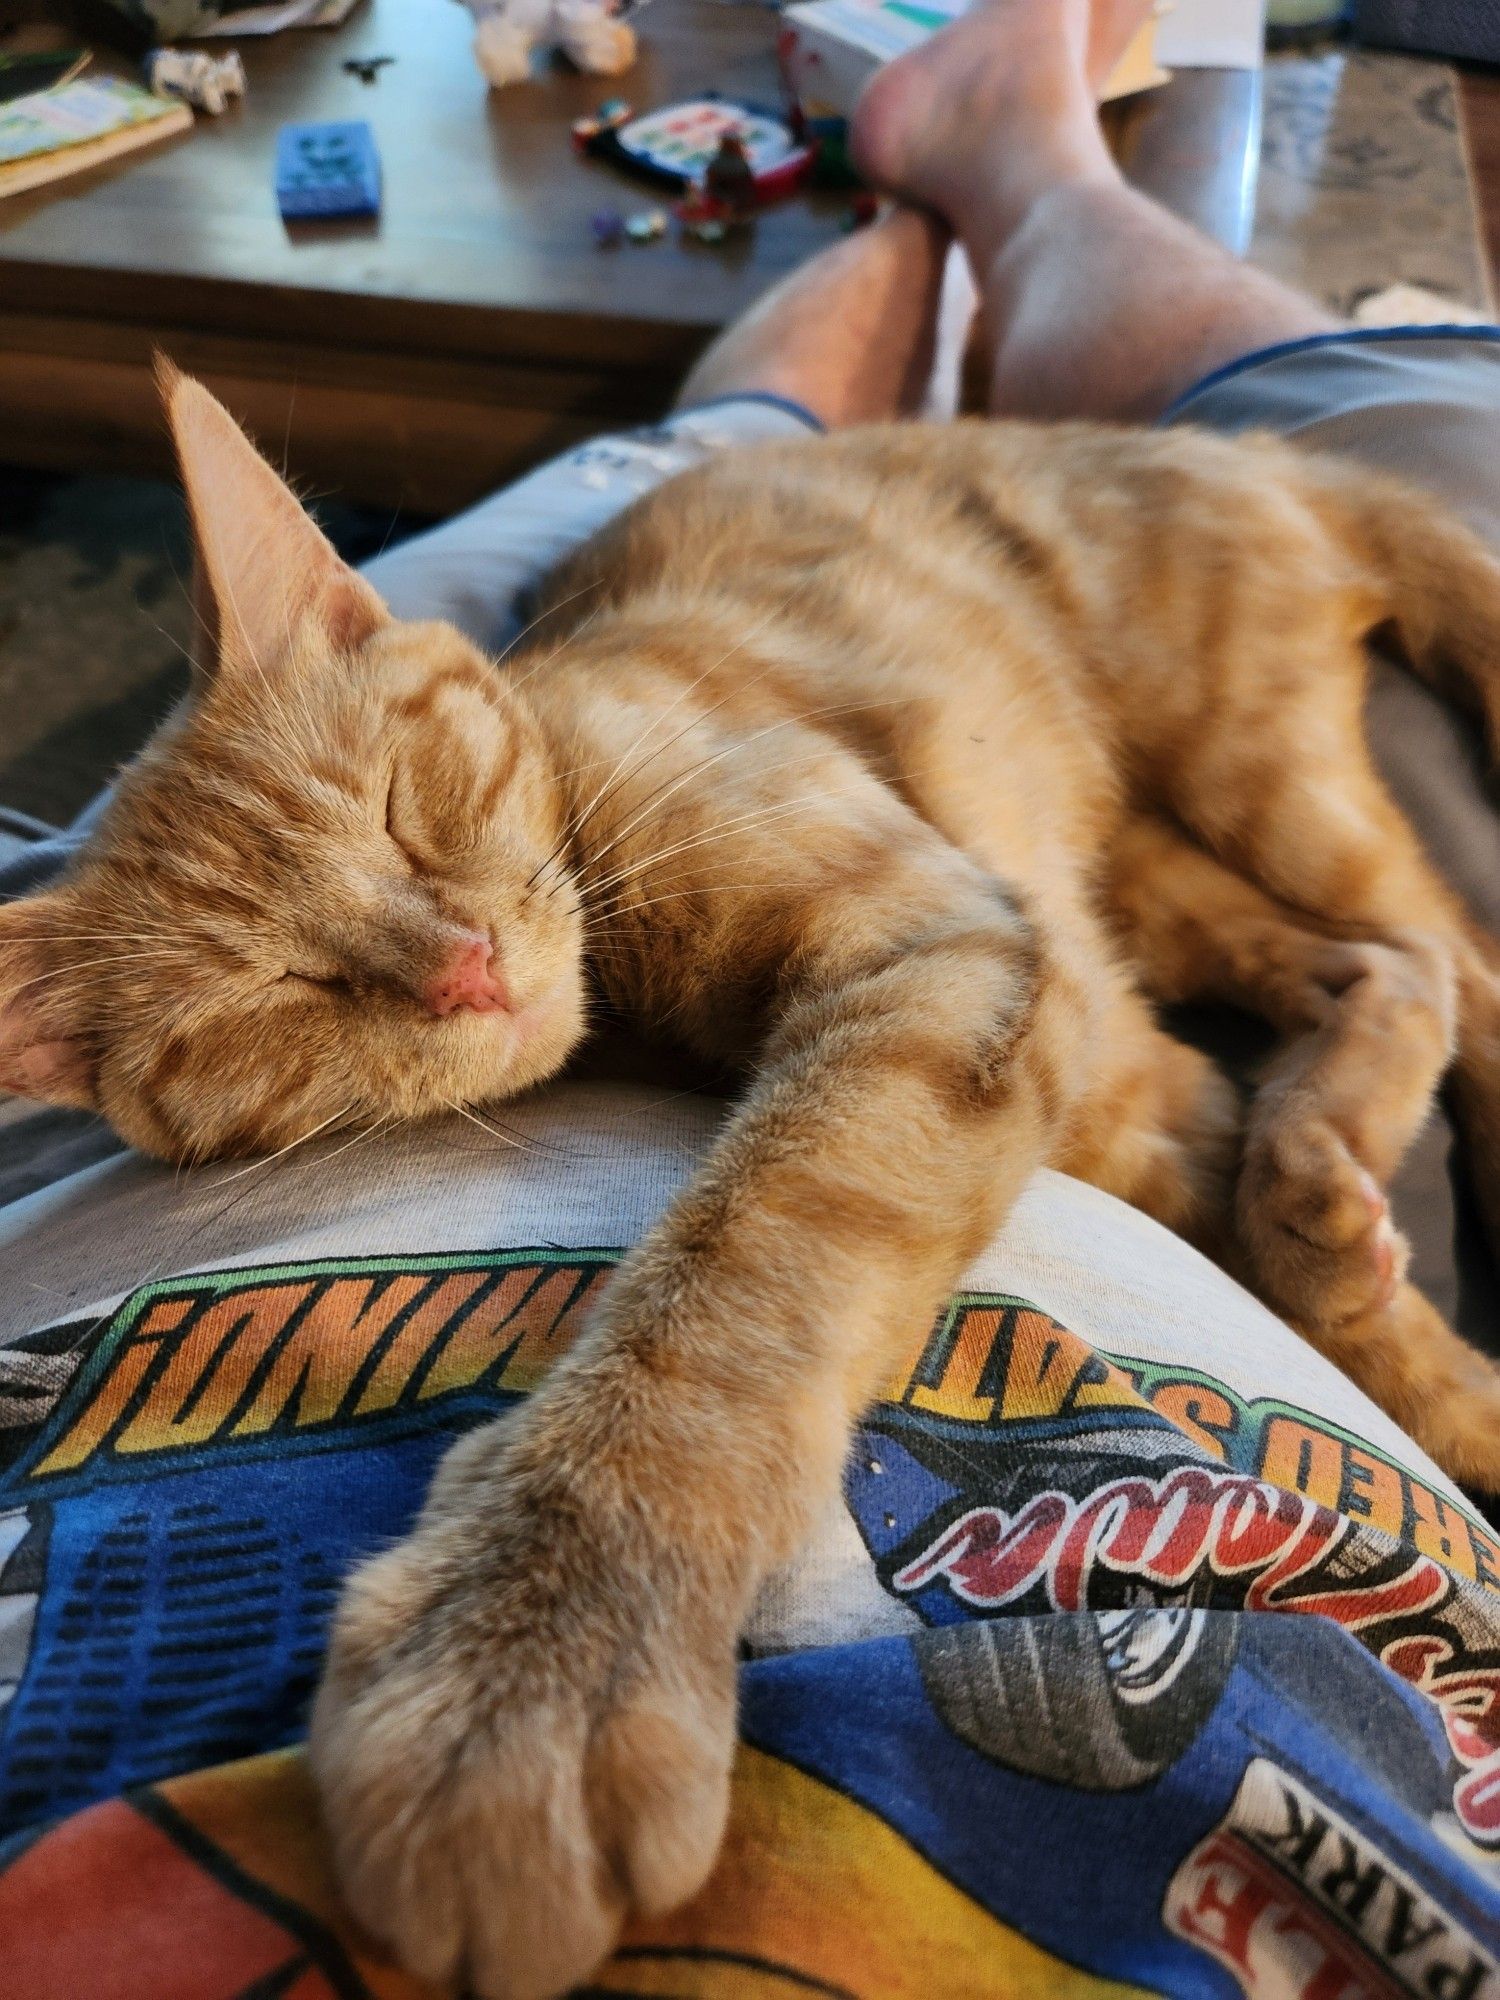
898 770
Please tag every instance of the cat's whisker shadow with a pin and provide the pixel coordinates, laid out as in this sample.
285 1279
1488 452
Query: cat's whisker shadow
508 1136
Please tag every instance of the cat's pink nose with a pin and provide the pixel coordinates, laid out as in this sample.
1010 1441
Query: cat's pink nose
468 980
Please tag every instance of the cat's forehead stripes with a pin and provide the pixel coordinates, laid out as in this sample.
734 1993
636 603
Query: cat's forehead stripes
242 953
345 775
430 689
422 662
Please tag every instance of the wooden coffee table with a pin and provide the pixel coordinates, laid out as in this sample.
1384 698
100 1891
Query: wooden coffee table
421 359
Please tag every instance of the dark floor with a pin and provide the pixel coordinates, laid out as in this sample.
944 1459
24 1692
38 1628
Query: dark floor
94 623
92 616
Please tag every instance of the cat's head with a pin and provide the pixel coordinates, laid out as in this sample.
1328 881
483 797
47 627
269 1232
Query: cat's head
329 892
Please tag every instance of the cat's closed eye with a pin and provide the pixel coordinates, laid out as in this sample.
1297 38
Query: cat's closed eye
329 982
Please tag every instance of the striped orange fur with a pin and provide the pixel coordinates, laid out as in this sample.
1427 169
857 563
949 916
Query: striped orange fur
901 774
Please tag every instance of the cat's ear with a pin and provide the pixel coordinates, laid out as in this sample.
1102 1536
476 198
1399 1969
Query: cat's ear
41 1055
261 563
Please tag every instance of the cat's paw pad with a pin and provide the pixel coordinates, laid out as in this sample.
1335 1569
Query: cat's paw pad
512 1757
1387 1245
1322 1242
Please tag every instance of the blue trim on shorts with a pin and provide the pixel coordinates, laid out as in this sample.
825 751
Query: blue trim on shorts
22 826
1350 336
769 396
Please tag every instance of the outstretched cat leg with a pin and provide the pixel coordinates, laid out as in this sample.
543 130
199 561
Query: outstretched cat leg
1367 1032
527 1723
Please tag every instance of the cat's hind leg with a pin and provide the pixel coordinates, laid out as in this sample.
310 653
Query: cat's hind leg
1336 1109
1366 1033
1277 781
1367 1030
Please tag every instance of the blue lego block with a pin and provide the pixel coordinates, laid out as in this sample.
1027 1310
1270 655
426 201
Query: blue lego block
327 170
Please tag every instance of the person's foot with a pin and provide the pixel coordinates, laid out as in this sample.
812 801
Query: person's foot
995 109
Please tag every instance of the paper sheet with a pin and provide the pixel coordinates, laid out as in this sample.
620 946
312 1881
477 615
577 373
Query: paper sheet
1212 34
270 20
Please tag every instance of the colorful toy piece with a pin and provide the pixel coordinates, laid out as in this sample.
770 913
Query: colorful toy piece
647 228
677 145
206 82
611 115
592 34
324 171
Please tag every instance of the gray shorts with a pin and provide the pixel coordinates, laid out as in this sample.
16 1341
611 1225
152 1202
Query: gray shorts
1422 403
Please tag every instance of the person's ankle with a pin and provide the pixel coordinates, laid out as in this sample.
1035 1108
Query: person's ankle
1041 185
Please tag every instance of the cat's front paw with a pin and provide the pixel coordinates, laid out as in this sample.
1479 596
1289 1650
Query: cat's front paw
523 1735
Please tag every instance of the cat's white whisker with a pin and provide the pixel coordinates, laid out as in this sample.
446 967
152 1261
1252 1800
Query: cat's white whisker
365 1132
547 612
667 787
463 1111
191 601
172 640
566 640
329 1124
665 790
524 1142
270 1159
191 1165
706 888
92 937
639 870
280 712
764 815
87 965
619 775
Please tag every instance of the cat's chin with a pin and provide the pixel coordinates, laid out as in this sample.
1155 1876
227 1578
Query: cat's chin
536 1040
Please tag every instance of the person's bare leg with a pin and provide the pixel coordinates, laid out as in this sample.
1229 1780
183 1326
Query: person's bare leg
849 335
1097 301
